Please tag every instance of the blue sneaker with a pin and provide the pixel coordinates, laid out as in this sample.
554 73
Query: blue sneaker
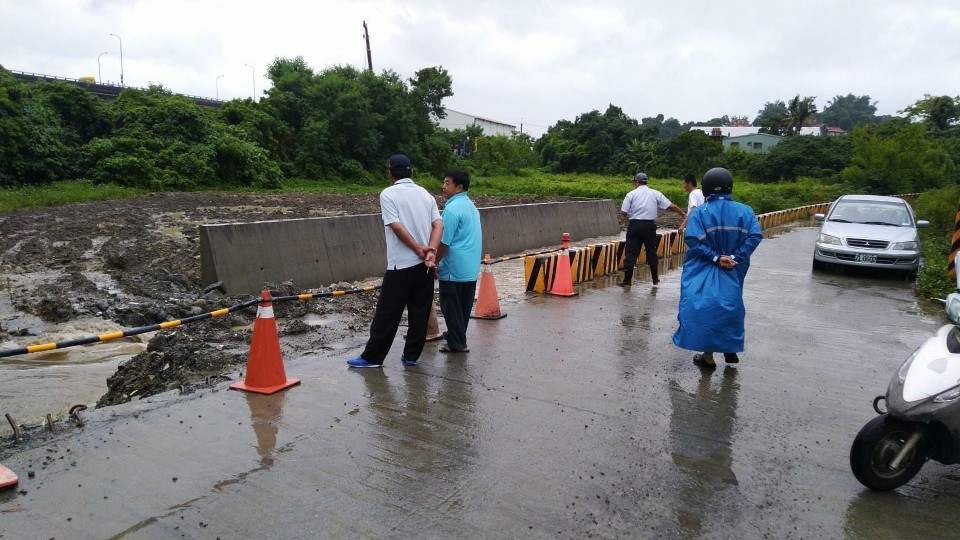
409 363
359 362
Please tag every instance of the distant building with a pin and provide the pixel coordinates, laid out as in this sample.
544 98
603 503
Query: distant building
749 138
737 131
754 143
460 120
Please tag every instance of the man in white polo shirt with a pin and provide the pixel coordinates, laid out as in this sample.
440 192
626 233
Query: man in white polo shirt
413 231
641 207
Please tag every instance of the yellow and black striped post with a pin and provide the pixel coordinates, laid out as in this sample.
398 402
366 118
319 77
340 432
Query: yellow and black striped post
955 244
540 271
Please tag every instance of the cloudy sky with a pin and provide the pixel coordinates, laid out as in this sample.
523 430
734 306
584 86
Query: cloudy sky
529 61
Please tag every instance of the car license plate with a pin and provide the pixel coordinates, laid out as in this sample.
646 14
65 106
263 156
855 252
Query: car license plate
866 258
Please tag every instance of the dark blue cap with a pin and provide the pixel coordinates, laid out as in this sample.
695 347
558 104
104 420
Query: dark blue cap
400 161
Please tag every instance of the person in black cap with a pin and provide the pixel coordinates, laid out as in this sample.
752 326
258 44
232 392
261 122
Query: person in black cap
721 238
413 231
640 206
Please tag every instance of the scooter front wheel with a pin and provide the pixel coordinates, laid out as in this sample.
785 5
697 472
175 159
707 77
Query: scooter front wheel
875 448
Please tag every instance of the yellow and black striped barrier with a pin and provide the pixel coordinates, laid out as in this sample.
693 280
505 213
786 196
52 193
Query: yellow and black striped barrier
586 263
580 269
775 219
608 258
540 271
170 324
603 258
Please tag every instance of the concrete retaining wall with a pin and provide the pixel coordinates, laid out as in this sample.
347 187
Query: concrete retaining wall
316 252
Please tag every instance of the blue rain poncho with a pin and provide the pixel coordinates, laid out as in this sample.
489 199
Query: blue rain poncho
711 311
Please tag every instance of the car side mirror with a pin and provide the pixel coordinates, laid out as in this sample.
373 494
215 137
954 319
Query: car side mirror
819 217
922 223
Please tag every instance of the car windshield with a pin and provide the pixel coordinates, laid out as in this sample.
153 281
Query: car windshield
872 213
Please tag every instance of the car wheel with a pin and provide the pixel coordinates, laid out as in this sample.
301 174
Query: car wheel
819 265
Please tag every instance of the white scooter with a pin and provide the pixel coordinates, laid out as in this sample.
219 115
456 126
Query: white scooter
922 420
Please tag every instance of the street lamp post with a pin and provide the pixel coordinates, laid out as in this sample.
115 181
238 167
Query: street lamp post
121 57
253 81
218 86
99 73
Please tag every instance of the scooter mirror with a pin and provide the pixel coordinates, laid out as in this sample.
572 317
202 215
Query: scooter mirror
953 307
956 261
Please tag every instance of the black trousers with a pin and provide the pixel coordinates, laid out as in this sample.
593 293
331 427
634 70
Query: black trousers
642 232
410 289
456 303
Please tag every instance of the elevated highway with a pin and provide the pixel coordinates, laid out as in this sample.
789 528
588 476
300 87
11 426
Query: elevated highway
103 91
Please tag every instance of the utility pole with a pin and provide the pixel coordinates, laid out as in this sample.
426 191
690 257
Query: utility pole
366 37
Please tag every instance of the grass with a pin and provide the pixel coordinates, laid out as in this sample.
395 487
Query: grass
59 193
762 197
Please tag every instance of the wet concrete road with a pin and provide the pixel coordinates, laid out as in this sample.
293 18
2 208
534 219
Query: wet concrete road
571 417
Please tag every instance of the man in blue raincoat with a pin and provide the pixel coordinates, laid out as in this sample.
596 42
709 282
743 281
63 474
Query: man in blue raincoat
720 236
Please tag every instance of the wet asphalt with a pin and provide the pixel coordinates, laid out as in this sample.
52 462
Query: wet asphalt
571 417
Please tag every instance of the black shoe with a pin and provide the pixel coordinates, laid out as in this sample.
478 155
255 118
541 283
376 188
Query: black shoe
698 360
731 358
656 282
625 284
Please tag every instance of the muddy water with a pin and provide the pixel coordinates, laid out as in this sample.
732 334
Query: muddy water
52 382
35 385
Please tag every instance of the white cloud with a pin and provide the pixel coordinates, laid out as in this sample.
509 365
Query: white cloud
536 60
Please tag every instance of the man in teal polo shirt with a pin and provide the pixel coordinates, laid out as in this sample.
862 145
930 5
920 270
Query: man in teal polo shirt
458 259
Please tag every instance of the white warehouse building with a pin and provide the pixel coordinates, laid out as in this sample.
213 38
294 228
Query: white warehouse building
460 120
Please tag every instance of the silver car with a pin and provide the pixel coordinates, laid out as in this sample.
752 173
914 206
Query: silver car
869 231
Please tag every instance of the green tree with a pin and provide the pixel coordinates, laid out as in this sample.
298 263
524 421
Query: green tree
939 112
799 113
429 87
500 154
849 111
690 152
796 157
38 146
670 128
594 142
904 162
773 118
719 121
83 116
260 126
557 148
161 141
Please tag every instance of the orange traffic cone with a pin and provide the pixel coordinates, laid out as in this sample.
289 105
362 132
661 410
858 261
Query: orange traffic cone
488 301
563 281
7 478
265 373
